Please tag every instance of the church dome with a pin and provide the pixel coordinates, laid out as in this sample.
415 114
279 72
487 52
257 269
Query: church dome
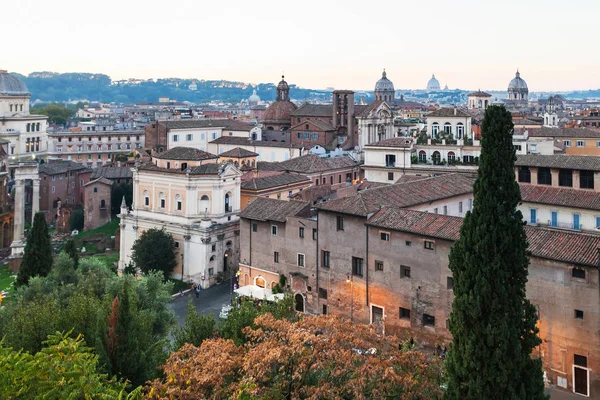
517 83
254 97
10 85
433 84
283 85
384 83
279 112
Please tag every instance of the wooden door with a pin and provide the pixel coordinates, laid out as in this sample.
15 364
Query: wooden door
581 381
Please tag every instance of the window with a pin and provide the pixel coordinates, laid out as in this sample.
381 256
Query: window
390 160
554 219
189 137
428 320
404 313
175 139
524 175
214 135
580 143
179 205
323 294
576 221
445 210
567 143
254 227
314 234
578 273
163 203
565 177
390 176
435 210
176 245
578 314
340 223
544 176
586 179
580 361
326 256
211 271
299 135
404 271
276 257
384 236
301 232
300 260
53 188
469 204
533 216
378 265
597 144
429 245
357 266
146 201
213 247
408 243
449 283
274 230
460 207
533 147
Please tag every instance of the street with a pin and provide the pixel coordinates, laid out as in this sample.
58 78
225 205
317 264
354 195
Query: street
210 301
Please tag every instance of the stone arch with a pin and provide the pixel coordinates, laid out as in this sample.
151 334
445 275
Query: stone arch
260 281
299 302
204 204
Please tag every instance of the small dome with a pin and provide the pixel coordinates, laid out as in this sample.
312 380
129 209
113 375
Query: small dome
254 97
517 83
433 84
279 112
384 83
283 85
10 85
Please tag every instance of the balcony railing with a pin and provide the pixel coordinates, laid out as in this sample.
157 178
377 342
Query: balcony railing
228 209
565 225
390 164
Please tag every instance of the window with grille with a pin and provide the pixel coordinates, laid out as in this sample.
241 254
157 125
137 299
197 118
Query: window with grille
404 271
580 361
357 266
404 313
428 320
578 273
378 265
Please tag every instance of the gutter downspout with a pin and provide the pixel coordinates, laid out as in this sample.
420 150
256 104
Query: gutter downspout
317 263
367 265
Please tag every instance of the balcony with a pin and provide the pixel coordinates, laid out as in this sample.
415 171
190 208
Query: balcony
228 209
565 225
390 164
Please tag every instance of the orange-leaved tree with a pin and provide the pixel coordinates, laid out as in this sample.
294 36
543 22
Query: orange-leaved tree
315 357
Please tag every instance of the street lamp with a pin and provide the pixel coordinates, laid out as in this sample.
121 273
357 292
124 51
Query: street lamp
351 282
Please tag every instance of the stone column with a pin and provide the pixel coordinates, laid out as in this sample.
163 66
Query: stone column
19 222
35 205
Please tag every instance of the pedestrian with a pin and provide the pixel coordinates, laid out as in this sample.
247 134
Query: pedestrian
181 292
444 353
198 291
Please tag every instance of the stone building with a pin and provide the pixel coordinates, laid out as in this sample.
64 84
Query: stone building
97 200
336 172
478 100
384 90
196 200
279 185
450 122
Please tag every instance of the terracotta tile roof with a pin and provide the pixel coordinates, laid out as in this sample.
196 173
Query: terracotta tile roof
207 123
273 181
314 110
244 141
59 167
311 163
186 154
406 194
263 209
393 142
590 163
238 152
100 180
367 109
524 121
204 169
479 93
112 173
576 198
448 112
574 133
319 124
566 246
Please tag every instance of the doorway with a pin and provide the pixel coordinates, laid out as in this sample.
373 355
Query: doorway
299 299
581 376
376 314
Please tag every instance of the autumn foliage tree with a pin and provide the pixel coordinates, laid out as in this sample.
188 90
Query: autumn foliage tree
314 357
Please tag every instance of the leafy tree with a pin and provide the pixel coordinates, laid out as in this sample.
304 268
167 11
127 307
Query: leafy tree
117 193
197 328
56 113
154 251
37 258
63 369
76 219
314 357
71 249
492 323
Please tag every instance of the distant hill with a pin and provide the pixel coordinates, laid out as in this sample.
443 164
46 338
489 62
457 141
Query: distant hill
52 86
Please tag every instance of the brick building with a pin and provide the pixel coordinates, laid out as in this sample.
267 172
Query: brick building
280 186
61 181
335 171
97 200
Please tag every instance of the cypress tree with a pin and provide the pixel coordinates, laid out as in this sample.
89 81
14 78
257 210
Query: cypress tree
71 249
492 323
37 256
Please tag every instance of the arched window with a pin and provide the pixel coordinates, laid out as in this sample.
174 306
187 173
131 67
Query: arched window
228 244
146 196
95 190
435 128
227 206
103 204
178 202
204 205
162 200
11 107
28 128
460 130
21 107
212 258
422 156
451 156
448 128
435 157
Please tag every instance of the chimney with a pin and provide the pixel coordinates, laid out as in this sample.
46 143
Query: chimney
119 164
455 111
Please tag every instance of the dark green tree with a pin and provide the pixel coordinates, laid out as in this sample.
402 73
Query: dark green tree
116 197
71 249
197 328
155 251
56 113
492 323
76 219
37 258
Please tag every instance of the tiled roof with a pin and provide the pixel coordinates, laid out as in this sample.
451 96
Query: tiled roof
368 108
278 112
60 167
576 198
244 141
263 209
273 181
479 93
574 133
187 154
524 121
207 123
448 112
100 180
321 125
567 246
590 163
314 110
311 163
393 142
238 152
404 194
204 169
111 173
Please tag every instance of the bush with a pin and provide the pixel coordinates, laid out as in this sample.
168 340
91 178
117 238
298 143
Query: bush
76 219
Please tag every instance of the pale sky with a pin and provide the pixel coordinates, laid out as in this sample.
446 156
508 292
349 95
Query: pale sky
343 44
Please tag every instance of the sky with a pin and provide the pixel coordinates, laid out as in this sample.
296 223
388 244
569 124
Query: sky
343 44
